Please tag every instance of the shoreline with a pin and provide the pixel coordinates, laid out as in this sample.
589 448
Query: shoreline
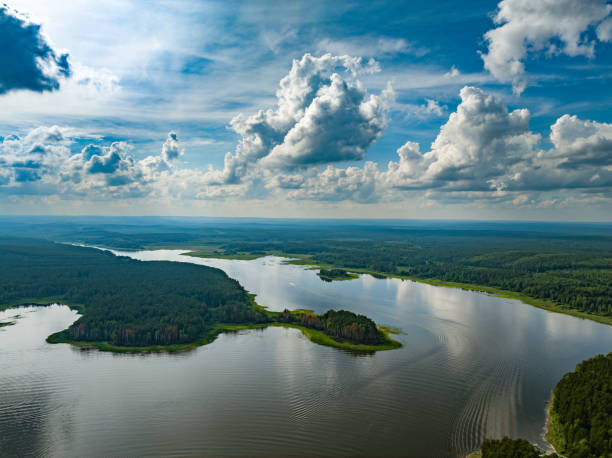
544 304
550 436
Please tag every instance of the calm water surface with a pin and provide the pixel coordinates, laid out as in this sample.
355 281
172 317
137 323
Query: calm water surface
472 366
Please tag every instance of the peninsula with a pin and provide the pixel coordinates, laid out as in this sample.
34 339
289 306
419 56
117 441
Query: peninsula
129 305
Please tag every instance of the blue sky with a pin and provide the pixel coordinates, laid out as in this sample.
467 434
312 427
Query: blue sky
415 109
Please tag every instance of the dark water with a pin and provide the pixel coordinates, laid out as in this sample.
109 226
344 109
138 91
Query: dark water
472 366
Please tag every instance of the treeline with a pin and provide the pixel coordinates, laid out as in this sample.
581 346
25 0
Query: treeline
581 412
341 325
126 302
510 448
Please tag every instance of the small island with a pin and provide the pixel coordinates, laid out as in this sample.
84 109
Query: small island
336 274
134 306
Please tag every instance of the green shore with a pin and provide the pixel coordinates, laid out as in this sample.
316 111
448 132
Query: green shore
297 259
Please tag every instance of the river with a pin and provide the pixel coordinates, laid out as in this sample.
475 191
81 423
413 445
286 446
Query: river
472 366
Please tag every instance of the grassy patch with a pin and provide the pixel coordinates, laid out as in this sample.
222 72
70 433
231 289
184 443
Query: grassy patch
319 337
6 323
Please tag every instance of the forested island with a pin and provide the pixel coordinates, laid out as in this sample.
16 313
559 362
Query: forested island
130 305
336 274
557 266
580 416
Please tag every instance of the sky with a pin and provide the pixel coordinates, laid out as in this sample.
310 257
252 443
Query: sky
407 109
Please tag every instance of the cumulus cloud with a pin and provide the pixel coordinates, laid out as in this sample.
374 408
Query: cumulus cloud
478 142
32 158
482 152
171 149
581 142
321 117
27 59
551 26
581 158
43 162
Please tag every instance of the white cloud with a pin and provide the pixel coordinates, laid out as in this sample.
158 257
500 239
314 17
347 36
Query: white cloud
478 142
434 107
581 158
527 27
359 184
171 149
483 153
604 30
321 117
452 73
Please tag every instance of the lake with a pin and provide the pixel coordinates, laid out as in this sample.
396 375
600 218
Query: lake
472 366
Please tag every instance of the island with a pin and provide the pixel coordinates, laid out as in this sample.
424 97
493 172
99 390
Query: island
336 274
132 306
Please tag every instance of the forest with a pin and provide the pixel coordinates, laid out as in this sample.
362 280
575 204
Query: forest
130 303
569 264
123 301
581 411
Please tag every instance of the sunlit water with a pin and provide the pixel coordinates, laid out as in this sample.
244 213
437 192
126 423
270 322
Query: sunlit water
472 366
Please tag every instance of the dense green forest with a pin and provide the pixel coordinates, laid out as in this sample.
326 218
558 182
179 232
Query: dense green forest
132 303
581 411
125 302
568 264
510 448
